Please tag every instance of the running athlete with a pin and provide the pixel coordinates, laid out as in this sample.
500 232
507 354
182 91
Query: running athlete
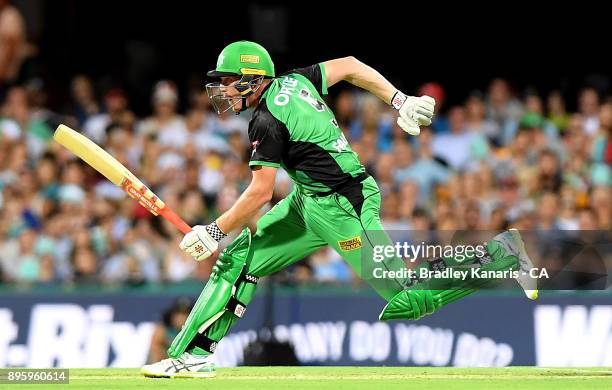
334 201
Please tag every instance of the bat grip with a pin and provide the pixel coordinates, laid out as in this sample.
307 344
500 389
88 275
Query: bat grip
175 220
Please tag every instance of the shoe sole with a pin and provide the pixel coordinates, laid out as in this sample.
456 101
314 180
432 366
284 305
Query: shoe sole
149 374
528 284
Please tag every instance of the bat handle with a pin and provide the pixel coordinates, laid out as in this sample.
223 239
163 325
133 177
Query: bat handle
175 220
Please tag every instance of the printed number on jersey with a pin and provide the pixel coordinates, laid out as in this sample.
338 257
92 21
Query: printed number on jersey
316 104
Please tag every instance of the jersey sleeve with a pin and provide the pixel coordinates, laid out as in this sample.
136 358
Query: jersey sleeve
316 74
269 138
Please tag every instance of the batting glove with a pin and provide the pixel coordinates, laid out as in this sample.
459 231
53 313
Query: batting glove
202 241
413 111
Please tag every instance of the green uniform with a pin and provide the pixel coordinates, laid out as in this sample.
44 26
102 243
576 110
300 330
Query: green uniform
334 202
292 128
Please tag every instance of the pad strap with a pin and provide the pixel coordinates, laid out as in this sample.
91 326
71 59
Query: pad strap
437 264
202 341
484 259
236 307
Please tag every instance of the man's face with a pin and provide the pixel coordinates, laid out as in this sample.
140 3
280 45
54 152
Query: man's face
224 95
229 91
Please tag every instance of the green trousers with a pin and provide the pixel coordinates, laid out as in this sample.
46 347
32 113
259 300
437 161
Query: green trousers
302 223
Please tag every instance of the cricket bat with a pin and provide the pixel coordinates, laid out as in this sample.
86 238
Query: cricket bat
119 175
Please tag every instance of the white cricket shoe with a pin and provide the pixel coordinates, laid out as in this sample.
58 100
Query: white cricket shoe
185 366
513 243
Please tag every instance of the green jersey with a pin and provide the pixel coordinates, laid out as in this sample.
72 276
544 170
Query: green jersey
294 129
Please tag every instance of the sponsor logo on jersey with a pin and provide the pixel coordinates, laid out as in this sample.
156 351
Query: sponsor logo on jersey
350 244
308 98
340 144
287 89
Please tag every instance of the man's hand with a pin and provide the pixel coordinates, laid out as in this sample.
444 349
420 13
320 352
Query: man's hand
202 241
413 111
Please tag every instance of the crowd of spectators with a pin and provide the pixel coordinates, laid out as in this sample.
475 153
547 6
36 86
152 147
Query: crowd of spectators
500 158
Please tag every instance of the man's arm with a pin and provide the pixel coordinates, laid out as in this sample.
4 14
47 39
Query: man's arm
202 241
257 194
359 74
413 111
269 138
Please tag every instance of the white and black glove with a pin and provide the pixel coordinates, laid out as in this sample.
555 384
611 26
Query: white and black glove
413 111
202 241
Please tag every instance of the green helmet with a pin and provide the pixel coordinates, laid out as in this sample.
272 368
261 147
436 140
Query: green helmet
248 60
243 58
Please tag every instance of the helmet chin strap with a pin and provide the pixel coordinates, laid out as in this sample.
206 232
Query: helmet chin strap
243 107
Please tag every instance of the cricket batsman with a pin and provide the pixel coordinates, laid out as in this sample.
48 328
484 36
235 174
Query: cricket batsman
334 201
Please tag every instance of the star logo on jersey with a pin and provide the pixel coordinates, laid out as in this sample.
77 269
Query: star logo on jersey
254 145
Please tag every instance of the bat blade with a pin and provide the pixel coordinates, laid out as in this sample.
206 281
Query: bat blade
117 173
92 154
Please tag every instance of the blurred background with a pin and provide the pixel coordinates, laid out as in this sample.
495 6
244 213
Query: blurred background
522 137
